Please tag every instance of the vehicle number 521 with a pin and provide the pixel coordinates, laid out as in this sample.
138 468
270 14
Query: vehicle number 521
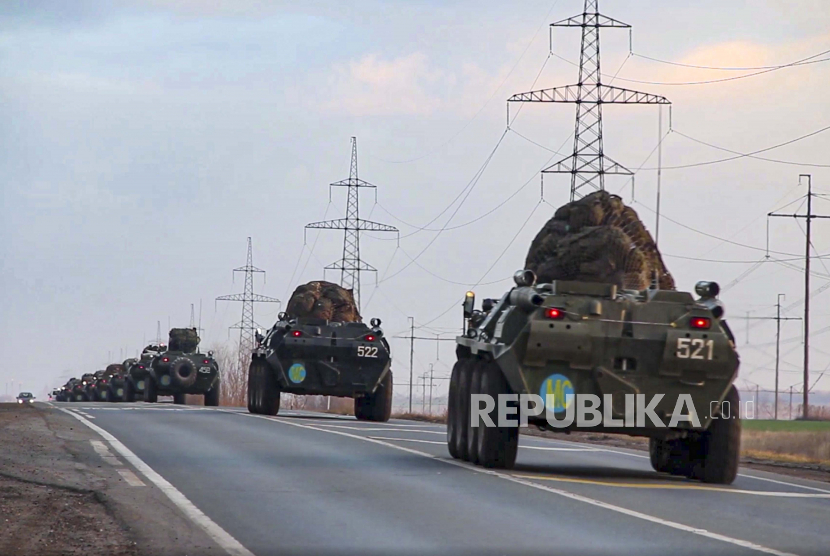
694 348
367 351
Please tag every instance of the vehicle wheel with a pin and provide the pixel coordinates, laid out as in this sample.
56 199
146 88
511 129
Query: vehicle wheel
465 376
266 392
453 416
678 461
473 432
658 453
720 446
253 377
496 447
377 406
129 392
183 371
178 399
104 396
212 395
150 393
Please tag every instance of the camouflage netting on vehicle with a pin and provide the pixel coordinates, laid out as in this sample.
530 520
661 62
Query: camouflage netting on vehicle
183 339
323 300
597 239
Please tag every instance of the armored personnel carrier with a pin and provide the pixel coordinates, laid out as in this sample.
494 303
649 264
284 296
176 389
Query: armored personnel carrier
138 371
112 386
312 356
95 386
78 392
182 369
657 363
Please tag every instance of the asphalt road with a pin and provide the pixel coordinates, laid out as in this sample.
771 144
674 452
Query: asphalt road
316 484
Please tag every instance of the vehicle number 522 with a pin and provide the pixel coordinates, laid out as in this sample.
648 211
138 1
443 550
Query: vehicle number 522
694 348
367 351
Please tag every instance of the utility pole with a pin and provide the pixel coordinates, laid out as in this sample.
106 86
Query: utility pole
431 374
790 412
247 326
808 245
158 331
351 265
424 393
777 318
588 164
411 357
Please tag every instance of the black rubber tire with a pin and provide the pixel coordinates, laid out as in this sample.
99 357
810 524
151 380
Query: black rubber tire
472 432
150 392
212 396
269 392
658 453
129 391
465 375
183 372
377 406
178 398
114 398
253 378
496 447
720 446
453 415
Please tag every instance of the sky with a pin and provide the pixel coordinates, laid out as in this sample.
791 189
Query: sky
143 142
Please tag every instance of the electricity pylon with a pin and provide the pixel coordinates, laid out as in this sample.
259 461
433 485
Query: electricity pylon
588 164
350 264
247 326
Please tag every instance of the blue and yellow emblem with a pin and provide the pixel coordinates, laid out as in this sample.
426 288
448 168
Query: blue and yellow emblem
296 373
560 390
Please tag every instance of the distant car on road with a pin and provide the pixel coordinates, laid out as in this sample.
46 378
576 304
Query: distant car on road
25 398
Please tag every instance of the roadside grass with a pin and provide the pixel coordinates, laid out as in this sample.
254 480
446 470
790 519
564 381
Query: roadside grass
768 425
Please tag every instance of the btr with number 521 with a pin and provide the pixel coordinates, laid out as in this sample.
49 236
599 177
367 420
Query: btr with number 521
311 356
653 363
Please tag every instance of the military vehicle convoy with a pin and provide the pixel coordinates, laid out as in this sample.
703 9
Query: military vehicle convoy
181 369
313 356
564 339
138 370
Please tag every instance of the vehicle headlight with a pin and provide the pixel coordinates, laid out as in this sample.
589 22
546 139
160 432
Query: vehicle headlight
19 401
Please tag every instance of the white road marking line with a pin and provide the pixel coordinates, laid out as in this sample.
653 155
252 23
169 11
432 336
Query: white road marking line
102 450
375 429
130 477
232 546
407 440
564 493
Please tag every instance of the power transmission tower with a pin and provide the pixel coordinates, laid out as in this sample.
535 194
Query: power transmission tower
588 164
777 318
247 326
351 265
809 218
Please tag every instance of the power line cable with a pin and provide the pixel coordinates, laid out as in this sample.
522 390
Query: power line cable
777 161
804 61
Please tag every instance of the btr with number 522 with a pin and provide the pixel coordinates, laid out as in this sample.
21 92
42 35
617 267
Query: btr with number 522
311 356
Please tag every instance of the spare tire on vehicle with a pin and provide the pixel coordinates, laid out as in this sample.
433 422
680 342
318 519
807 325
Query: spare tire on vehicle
183 371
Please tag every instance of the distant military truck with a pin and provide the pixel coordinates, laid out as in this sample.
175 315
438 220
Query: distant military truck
630 350
182 369
311 356
62 393
138 370
93 387
79 392
112 387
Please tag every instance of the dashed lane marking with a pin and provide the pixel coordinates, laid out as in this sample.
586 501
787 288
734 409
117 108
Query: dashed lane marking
131 478
675 486
102 450
520 447
564 493
375 429
224 539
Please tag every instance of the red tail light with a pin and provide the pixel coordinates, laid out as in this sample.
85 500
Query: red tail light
206 361
165 359
702 323
141 366
297 333
554 313
104 381
369 337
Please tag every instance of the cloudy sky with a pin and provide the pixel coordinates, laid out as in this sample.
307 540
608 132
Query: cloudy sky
144 141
